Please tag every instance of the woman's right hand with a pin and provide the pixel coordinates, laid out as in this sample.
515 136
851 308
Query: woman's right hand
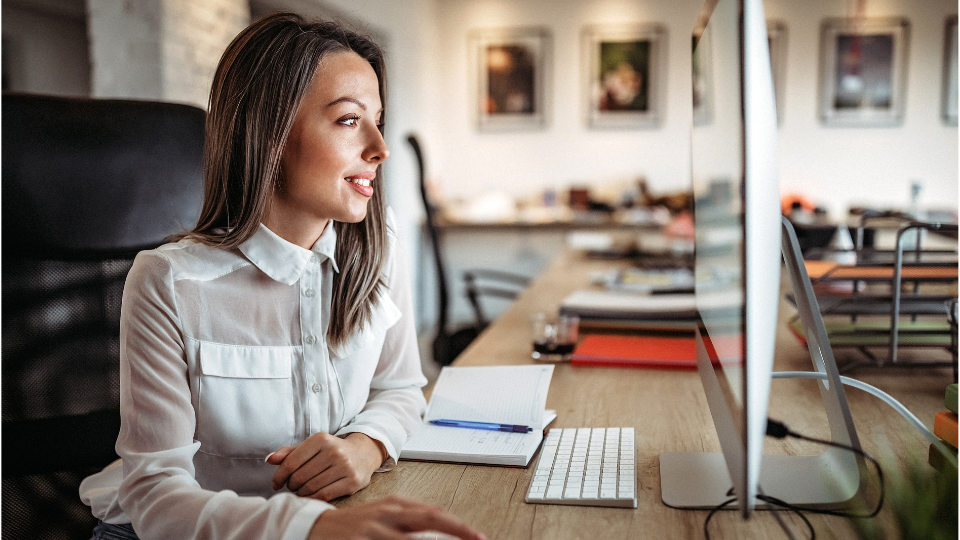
392 518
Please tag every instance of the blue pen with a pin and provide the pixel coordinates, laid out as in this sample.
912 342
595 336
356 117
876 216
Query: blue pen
509 428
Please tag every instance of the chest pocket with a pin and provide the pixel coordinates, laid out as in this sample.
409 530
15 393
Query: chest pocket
246 401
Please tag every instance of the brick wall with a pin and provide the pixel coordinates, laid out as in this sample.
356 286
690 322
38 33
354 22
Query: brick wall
160 49
194 35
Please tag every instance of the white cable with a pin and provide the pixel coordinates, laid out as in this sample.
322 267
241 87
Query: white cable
887 398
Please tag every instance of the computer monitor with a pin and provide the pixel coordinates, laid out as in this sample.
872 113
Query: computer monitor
739 237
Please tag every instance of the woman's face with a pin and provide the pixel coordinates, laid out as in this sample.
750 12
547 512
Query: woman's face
334 147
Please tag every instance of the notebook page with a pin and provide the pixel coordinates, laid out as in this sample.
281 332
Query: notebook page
499 394
437 441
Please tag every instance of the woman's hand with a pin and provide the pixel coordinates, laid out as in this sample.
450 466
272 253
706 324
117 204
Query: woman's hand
391 518
325 466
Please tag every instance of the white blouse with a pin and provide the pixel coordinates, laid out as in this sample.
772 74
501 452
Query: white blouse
224 359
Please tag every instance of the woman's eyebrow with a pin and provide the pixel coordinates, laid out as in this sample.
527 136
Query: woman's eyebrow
350 99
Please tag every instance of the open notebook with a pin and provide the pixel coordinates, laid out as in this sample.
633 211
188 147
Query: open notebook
494 394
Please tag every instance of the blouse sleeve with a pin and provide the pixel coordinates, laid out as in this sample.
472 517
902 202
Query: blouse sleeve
159 491
396 404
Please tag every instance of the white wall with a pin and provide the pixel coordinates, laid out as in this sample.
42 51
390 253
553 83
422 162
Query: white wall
160 50
195 35
125 50
841 167
837 167
566 151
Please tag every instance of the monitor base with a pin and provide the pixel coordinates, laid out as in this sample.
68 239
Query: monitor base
699 480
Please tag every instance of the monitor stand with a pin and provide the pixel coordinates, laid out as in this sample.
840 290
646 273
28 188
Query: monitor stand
700 480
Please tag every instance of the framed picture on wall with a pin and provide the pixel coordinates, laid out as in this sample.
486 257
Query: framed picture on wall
777 41
510 79
624 76
950 73
702 77
863 66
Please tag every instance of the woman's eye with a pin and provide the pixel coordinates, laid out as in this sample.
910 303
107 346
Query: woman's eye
350 120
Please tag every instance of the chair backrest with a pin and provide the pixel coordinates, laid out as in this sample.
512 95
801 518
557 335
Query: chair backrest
432 230
86 185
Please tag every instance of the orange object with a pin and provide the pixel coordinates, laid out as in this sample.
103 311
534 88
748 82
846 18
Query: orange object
636 351
827 269
945 427
818 269
786 203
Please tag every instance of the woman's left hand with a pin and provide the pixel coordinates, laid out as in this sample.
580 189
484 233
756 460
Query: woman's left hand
325 466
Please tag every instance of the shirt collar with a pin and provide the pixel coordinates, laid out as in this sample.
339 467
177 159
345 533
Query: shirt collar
284 261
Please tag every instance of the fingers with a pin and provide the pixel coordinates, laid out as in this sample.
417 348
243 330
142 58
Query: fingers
297 457
337 480
390 518
328 491
429 518
275 458
322 460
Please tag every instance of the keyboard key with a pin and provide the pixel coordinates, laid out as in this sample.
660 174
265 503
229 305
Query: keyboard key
592 466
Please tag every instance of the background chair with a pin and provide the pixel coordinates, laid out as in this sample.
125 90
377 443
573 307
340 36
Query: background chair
86 185
448 345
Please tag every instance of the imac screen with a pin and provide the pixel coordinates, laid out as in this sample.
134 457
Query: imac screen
737 225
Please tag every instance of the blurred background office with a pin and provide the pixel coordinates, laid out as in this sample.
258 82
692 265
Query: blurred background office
531 166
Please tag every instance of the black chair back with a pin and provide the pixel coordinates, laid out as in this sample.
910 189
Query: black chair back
86 185
446 345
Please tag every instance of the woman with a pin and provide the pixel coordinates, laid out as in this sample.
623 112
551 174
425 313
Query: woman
272 347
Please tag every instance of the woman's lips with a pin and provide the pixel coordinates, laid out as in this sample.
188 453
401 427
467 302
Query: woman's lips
362 183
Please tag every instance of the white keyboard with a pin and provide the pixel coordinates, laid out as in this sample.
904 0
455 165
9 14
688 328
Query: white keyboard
590 467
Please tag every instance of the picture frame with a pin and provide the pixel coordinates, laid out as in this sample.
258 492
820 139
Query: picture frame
702 78
863 66
509 67
949 97
623 75
777 41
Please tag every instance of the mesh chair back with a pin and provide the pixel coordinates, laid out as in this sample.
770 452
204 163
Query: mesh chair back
86 185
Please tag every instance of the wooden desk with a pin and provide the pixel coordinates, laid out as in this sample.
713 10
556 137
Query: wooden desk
670 413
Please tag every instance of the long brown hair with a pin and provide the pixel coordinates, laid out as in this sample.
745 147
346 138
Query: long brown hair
257 90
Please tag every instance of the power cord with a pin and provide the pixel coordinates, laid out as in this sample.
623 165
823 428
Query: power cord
776 515
779 430
886 398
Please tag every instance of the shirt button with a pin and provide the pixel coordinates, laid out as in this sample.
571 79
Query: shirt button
310 340
309 293
314 259
316 388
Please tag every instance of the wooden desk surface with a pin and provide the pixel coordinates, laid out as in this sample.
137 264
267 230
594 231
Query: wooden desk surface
592 222
670 413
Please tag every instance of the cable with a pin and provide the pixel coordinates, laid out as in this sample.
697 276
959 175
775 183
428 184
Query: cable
776 515
780 430
889 400
717 508
777 502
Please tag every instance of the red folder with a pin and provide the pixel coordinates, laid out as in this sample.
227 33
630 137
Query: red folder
636 351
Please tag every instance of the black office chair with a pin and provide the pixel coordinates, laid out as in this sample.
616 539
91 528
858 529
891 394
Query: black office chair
86 185
448 345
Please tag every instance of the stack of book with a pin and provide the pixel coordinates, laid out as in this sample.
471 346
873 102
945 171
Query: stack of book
945 427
